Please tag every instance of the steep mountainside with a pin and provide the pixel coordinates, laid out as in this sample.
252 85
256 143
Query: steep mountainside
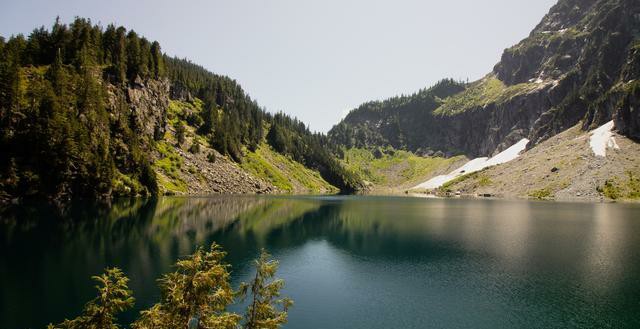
93 112
562 167
581 64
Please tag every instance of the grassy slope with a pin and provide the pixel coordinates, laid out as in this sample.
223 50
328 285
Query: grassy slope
623 187
168 168
396 170
284 173
169 163
482 92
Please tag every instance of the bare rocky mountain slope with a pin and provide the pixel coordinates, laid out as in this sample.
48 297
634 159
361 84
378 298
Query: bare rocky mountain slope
159 108
563 167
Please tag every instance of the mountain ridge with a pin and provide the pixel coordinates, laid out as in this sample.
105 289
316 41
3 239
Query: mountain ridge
94 112
97 112
580 63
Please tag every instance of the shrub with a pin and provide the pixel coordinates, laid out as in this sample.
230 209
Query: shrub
195 147
540 194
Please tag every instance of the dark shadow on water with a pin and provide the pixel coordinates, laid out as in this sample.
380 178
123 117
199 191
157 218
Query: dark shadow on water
502 263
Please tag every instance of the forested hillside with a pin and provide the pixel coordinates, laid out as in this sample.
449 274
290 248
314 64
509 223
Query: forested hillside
400 122
86 111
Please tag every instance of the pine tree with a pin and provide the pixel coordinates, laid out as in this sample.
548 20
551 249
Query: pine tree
119 55
145 64
180 132
263 312
158 60
133 55
56 74
196 295
114 297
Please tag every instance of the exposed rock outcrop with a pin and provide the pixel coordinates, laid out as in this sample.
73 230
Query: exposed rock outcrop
146 103
579 65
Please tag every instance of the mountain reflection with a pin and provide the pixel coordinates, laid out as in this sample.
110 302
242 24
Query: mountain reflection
581 258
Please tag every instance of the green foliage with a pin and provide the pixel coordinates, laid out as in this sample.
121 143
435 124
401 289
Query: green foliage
114 297
125 185
477 95
611 190
180 132
541 194
484 180
230 117
447 187
211 157
264 312
53 99
393 167
196 295
187 112
170 165
283 172
401 122
195 147
234 122
292 138
622 189
478 179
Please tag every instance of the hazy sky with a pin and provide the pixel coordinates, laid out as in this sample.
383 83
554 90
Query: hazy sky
312 59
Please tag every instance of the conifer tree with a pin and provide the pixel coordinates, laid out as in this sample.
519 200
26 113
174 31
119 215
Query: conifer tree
180 132
119 55
133 55
157 59
145 63
195 296
114 297
267 310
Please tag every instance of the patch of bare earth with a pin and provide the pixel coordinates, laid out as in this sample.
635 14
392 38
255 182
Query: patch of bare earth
561 168
204 175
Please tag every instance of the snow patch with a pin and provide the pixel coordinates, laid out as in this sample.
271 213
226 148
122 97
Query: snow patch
602 138
476 165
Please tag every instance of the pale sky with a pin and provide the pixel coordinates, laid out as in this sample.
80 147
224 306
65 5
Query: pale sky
312 59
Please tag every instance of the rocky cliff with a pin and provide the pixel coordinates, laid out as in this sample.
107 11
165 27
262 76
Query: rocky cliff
159 109
155 108
579 65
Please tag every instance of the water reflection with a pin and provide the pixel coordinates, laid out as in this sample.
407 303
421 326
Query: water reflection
440 263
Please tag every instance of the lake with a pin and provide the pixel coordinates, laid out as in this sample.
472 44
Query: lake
348 261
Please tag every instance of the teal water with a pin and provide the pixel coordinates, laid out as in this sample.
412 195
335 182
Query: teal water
348 262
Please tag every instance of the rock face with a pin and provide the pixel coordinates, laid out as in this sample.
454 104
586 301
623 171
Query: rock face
180 92
148 102
627 111
580 64
222 176
145 104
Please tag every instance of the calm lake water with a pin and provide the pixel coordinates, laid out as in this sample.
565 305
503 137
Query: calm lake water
348 262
